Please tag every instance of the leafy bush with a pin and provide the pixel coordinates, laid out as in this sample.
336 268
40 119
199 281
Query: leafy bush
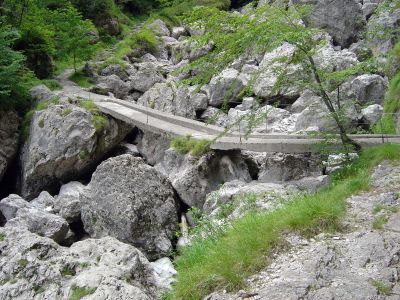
187 144
15 80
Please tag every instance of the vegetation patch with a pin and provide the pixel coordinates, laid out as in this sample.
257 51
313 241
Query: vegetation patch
224 261
80 292
190 145
68 271
81 79
23 262
381 287
1 236
52 84
379 222
99 121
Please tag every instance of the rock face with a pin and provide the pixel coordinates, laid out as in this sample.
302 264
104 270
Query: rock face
286 167
40 222
169 98
194 177
63 144
9 134
342 19
131 201
34 267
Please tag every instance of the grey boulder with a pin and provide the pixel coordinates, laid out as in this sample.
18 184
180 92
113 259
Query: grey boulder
11 205
64 144
131 201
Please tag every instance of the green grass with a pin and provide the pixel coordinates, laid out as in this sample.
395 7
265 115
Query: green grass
67 271
381 287
99 121
187 144
379 222
81 79
1 237
225 261
22 262
52 84
80 292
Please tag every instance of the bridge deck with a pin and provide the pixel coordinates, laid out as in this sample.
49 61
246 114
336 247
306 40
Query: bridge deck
161 122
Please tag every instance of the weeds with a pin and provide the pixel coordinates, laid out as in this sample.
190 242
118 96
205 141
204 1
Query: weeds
80 292
188 144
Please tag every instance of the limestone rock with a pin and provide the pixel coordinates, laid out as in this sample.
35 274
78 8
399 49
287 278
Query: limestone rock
372 114
11 205
111 84
63 144
40 222
146 76
131 201
168 97
342 19
34 267
280 167
159 28
152 146
367 89
194 177
224 87
214 116
9 135
68 201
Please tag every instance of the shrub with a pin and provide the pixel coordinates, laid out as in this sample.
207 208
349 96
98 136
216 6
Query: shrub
80 292
187 144
52 84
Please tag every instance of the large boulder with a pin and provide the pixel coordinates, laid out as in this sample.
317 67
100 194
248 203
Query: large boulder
11 205
194 177
9 134
224 88
35 267
68 202
40 222
266 77
146 75
371 114
342 19
131 201
111 84
366 89
382 33
159 28
63 144
280 167
215 116
169 98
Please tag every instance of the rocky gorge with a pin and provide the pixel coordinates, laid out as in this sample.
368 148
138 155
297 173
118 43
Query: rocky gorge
94 208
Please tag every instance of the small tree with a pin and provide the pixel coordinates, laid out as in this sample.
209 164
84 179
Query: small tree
235 35
73 34
14 79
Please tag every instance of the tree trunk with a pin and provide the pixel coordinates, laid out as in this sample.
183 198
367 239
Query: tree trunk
346 140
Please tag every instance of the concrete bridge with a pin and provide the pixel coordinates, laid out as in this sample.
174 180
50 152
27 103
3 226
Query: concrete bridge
161 122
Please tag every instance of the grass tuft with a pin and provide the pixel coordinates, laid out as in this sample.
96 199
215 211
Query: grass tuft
52 84
80 292
381 287
81 79
225 261
188 144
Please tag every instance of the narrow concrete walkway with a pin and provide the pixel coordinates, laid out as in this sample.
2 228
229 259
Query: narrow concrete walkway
161 122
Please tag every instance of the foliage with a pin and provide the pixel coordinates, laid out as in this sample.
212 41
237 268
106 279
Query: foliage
73 34
381 287
236 35
80 292
387 124
15 80
99 121
379 222
52 84
190 145
224 261
81 79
